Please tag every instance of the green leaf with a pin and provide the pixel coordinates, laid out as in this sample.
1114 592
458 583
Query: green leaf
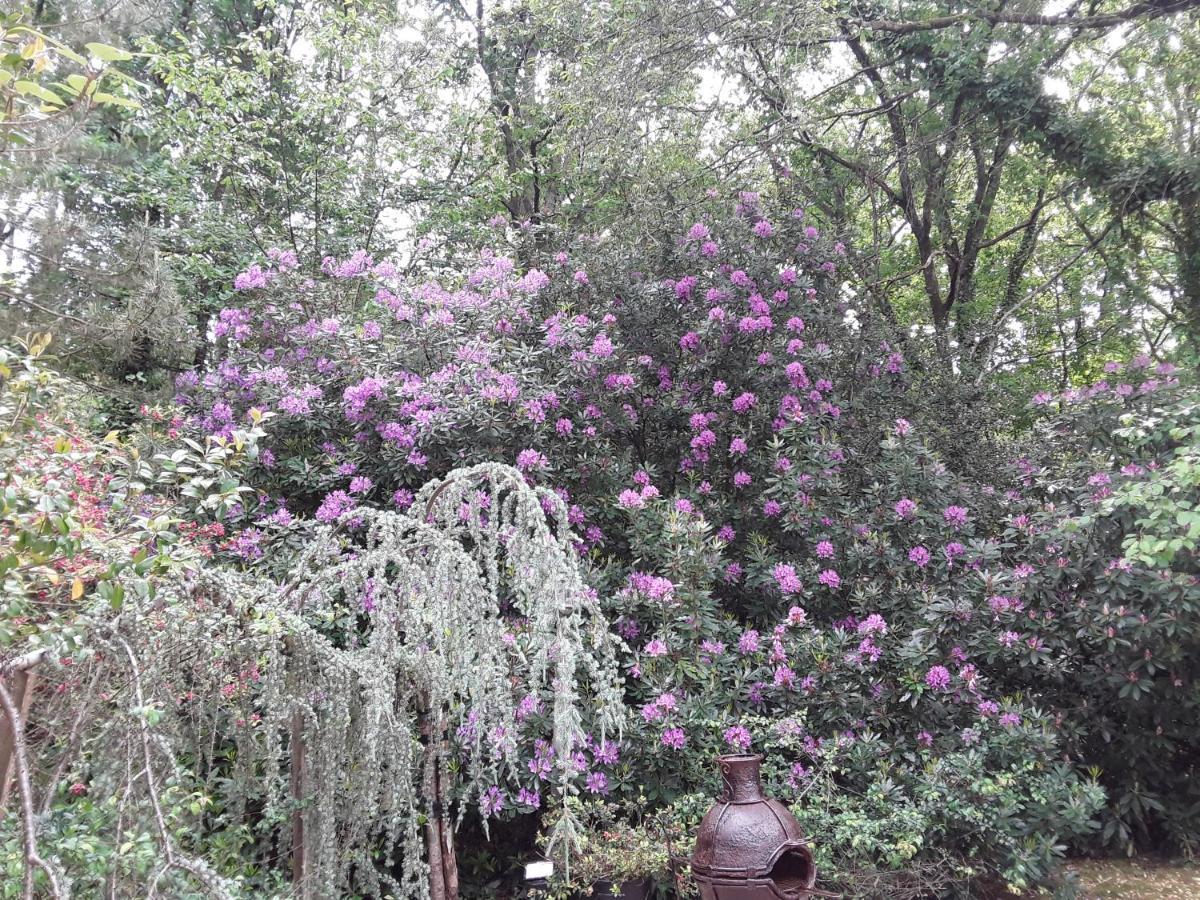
107 53
114 100
33 89
81 85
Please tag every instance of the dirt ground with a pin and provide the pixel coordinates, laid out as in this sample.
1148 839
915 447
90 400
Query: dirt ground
1138 879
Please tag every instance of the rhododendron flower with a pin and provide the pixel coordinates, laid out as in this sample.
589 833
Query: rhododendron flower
334 506
253 278
674 738
748 642
529 798
651 712
987 708
653 586
763 228
784 677
528 460
529 705
602 347
744 402
597 783
955 515
738 738
630 499
869 650
655 648
741 479
360 485
607 753
938 678
919 556
771 509
787 579
824 549
830 579
285 260
491 802
873 624
797 616
905 508
532 282
903 427
246 544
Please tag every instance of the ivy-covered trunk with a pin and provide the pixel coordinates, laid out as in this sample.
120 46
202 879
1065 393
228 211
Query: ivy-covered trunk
1187 250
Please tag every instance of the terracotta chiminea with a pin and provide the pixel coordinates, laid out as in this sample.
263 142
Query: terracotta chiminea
749 847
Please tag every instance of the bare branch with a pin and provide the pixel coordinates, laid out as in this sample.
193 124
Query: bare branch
1143 11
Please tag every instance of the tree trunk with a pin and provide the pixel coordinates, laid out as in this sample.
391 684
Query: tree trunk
298 788
446 836
1187 255
439 838
200 355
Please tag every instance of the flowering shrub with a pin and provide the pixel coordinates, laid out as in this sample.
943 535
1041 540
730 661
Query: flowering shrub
1111 599
774 538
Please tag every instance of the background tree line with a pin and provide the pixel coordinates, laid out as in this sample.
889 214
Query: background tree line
1016 182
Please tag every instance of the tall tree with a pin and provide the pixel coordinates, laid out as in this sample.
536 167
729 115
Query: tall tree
928 134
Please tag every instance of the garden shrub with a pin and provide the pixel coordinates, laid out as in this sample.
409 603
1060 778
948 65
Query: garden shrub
775 537
91 535
1114 597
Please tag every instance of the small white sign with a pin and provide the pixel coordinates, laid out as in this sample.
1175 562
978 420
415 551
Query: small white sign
538 870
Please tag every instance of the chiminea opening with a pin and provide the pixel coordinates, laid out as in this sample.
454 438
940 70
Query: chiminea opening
792 872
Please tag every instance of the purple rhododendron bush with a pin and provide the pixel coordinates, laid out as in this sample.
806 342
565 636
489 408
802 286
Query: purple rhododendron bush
954 672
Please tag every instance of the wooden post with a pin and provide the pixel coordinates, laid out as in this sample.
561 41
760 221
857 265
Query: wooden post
20 677
299 861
